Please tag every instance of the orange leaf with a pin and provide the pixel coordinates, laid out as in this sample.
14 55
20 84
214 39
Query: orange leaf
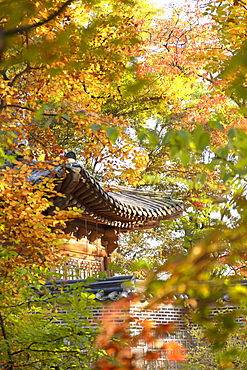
175 352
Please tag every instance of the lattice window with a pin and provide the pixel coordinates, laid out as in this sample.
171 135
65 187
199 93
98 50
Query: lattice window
70 270
85 268
76 268
90 268
96 266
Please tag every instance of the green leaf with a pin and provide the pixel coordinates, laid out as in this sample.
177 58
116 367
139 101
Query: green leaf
201 137
166 138
151 179
198 131
140 265
185 158
153 140
135 87
202 177
112 133
216 125
95 127
229 321
222 152
204 141
39 113
142 135
232 133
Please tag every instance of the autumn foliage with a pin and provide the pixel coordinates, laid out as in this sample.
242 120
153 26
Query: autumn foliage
135 350
26 229
145 97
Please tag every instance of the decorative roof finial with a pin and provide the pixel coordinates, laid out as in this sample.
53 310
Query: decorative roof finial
71 156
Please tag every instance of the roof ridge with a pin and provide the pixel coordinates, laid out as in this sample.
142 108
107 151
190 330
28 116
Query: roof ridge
140 192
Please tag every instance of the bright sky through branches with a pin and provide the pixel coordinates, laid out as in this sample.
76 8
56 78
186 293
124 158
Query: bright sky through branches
167 2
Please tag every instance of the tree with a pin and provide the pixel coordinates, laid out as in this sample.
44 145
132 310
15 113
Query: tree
43 330
212 155
59 65
55 99
64 70
220 255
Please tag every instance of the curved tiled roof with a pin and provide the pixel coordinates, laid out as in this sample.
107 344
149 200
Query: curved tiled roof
111 288
105 213
126 209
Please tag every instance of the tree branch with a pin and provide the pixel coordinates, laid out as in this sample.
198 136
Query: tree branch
93 96
10 367
28 348
18 75
34 110
3 73
38 24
